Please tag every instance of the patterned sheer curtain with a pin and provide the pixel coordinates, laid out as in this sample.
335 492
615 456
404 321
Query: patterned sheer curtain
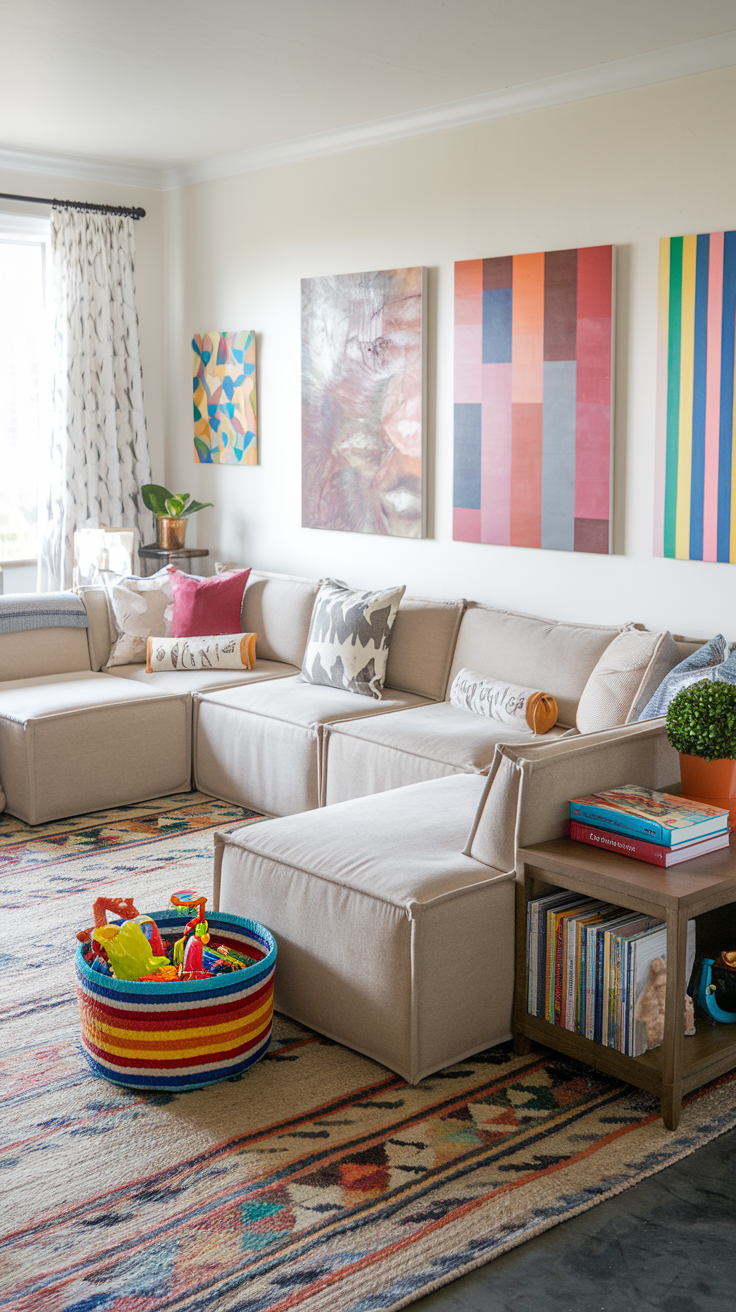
99 449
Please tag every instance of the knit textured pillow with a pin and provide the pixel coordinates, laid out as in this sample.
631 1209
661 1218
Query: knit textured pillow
349 638
624 678
711 661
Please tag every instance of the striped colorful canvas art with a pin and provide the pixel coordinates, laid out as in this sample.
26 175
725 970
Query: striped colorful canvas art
695 507
533 373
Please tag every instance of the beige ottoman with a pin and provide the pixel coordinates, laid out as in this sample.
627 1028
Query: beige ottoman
390 940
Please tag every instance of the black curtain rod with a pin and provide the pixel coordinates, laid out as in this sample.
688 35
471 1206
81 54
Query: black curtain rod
128 212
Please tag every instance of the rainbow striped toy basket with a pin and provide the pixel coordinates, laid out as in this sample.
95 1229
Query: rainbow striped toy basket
181 1036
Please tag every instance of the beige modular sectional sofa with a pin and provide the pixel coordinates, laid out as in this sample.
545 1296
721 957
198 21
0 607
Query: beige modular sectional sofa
388 879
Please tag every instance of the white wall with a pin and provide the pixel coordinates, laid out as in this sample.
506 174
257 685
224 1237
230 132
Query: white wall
626 169
149 235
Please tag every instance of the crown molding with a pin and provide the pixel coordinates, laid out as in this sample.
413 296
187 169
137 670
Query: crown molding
599 80
83 167
693 57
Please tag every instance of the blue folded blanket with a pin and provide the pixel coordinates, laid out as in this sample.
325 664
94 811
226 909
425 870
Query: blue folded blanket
41 610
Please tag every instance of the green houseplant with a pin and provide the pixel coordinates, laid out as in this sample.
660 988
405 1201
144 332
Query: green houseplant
171 510
701 725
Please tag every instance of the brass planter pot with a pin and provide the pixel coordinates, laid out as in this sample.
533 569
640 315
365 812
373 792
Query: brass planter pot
713 782
171 533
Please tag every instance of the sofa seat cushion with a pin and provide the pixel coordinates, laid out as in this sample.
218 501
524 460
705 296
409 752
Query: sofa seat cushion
401 848
53 694
429 742
79 742
260 745
390 940
309 704
203 680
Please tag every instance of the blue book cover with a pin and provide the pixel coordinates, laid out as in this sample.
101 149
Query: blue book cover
655 817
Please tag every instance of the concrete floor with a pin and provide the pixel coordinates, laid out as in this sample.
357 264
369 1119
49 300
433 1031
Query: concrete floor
666 1245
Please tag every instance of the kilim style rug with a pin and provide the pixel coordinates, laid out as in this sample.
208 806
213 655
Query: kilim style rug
317 1179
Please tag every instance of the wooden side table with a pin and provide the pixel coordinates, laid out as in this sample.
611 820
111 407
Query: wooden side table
154 552
674 895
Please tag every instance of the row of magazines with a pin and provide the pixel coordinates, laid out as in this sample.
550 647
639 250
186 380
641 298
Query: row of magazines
599 970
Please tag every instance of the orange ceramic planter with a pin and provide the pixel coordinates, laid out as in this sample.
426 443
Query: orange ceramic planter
713 782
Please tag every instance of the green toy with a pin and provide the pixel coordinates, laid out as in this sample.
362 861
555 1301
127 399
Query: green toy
128 950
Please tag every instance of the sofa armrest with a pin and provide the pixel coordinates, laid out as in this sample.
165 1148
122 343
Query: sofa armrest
526 799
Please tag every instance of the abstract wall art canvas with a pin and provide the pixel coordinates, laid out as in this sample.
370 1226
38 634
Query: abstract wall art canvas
533 399
363 403
225 427
695 504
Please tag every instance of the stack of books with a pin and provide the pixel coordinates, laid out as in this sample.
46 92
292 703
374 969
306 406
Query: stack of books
588 967
655 827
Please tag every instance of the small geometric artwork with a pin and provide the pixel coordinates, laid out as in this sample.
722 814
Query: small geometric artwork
363 406
533 400
695 499
225 430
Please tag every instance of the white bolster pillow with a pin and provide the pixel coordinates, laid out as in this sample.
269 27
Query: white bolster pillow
223 651
503 701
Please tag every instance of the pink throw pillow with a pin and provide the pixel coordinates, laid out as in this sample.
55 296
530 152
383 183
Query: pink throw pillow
204 607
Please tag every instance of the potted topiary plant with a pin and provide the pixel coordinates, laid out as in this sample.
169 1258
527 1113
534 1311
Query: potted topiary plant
171 510
701 725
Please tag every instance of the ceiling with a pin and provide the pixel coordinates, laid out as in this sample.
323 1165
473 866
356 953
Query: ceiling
162 85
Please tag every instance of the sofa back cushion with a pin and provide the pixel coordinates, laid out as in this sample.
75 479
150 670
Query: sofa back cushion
553 655
422 645
278 607
34 653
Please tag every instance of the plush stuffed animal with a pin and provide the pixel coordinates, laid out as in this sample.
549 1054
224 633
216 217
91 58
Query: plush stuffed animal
650 1007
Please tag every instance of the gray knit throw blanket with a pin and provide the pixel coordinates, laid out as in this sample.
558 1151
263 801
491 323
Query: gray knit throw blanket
41 610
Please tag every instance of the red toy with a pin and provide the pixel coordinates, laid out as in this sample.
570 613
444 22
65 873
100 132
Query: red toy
120 906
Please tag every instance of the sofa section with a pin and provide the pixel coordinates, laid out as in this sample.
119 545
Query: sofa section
429 742
551 656
77 742
261 746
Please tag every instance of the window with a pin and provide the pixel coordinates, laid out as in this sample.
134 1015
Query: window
24 380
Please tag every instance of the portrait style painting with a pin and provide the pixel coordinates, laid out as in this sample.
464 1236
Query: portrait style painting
363 408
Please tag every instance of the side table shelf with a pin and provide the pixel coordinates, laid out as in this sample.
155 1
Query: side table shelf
674 895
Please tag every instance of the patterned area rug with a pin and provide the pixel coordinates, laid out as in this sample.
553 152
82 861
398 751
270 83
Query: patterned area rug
316 1179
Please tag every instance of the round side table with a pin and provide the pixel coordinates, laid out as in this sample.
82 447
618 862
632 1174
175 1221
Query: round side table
165 557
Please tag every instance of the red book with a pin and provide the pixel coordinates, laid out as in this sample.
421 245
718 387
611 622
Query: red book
653 853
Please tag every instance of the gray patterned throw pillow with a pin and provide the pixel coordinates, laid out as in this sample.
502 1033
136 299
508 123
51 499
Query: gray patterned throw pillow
349 638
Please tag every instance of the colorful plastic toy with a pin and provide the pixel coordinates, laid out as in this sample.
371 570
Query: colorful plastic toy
164 975
188 949
122 907
150 929
134 949
128 950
